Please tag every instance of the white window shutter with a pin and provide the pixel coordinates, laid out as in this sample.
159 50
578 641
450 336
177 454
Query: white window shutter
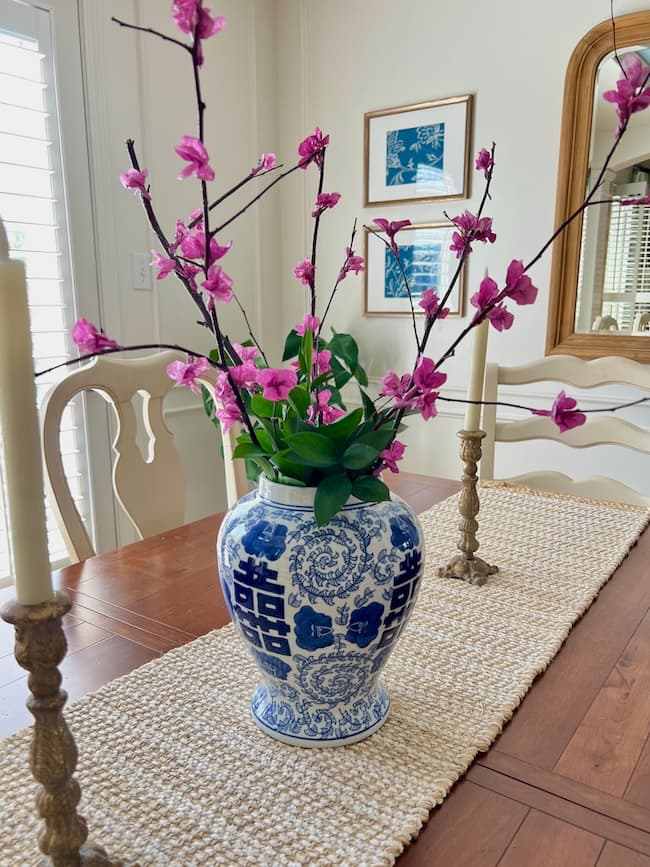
32 205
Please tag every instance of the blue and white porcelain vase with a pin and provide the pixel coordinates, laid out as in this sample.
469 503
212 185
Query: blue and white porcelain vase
320 608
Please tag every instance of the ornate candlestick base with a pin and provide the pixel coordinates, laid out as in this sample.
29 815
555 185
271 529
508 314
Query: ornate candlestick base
465 565
40 647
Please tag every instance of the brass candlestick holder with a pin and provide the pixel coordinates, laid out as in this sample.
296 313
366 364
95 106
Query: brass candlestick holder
465 566
40 648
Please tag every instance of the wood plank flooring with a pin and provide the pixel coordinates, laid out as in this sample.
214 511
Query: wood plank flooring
566 783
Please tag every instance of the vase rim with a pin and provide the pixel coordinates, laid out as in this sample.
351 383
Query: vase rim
294 495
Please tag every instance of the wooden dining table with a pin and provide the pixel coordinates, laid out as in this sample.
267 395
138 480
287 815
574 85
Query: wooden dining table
566 783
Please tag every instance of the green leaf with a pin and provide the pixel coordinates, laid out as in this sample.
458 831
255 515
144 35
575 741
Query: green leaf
266 467
358 456
287 480
246 450
342 378
368 405
360 375
287 467
313 448
305 355
378 439
208 402
343 427
262 407
299 400
370 489
331 495
291 346
266 442
344 346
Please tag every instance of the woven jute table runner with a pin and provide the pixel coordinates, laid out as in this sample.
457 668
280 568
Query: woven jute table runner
174 772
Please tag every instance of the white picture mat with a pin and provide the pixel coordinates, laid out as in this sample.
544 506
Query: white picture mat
377 303
454 116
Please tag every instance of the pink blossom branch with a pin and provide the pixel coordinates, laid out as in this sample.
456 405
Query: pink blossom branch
164 243
113 349
336 285
157 33
400 265
238 186
314 237
532 409
254 199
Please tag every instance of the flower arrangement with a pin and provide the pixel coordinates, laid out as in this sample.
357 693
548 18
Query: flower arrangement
295 427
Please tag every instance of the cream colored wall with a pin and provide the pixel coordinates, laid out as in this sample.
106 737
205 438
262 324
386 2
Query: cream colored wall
141 87
355 57
281 68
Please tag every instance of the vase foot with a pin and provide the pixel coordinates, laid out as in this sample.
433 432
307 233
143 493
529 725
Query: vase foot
319 726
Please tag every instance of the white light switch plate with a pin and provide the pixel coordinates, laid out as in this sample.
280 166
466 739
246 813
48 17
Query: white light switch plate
141 271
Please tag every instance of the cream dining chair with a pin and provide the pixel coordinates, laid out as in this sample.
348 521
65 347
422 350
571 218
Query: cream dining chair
598 429
151 491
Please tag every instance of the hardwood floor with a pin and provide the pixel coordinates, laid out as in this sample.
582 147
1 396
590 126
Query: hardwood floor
566 783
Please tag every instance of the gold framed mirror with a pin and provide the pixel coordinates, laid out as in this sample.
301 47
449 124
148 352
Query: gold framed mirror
600 275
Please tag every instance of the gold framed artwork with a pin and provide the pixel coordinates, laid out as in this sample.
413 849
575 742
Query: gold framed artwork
427 261
418 153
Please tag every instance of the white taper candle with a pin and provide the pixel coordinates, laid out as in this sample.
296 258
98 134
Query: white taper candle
20 435
476 376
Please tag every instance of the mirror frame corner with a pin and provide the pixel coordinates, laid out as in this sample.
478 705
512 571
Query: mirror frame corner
575 137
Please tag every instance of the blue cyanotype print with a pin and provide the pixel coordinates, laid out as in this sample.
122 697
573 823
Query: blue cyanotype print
415 155
421 263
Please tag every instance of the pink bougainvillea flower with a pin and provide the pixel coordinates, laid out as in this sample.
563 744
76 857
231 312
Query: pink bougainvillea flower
324 201
266 163
312 149
304 271
484 162
187 374
391 229
189 271
353 263
193 151
486 295
430 303
321 409
472 228
209 25
394 385
563 413
321 361
162 265
277 382
193 247
229 414
223 389
246 353
519 286
631 94
638 200
390 456
133 179
244 375
309 321
426 403
90 339
218 286
190 15
500 317
426 377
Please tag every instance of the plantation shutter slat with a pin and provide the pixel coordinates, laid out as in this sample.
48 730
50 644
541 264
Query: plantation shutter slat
32 207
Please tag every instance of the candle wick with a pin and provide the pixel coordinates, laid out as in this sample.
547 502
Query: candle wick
4 243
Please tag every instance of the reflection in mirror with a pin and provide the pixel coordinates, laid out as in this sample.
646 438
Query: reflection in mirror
614 271
600 275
